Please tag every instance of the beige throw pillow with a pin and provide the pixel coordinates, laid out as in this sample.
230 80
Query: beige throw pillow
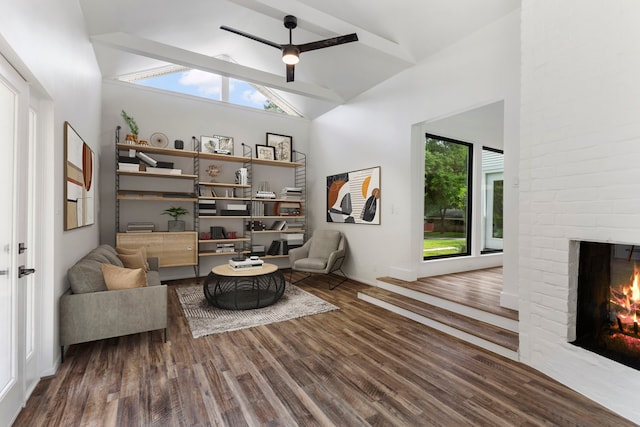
123 278
141 251
133 261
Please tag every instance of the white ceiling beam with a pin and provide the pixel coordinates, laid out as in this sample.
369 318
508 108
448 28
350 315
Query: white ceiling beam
317 21
160 51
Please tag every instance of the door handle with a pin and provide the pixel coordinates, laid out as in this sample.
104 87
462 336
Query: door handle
4 272
25 271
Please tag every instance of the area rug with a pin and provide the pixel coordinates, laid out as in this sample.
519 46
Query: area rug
205 320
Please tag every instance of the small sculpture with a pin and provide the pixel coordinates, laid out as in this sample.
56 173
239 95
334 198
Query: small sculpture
213 171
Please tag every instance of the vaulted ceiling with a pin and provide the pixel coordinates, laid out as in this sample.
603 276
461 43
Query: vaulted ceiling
132 36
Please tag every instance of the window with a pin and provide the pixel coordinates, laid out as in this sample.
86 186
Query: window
447 202
492 199
212 86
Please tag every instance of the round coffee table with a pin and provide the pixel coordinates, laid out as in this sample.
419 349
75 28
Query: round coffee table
244 289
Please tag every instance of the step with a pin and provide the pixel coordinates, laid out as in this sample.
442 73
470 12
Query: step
485 335
489 313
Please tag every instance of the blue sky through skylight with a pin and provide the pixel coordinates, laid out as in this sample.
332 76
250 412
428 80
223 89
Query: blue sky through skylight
206 85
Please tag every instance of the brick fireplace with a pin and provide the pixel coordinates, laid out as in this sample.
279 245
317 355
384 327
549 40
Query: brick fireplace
579 169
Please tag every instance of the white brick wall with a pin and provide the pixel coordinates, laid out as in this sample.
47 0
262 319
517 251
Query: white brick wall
579 175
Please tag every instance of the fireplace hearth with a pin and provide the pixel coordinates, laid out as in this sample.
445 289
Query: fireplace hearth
608 309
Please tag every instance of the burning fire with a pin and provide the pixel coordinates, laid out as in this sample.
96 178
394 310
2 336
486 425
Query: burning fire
627 298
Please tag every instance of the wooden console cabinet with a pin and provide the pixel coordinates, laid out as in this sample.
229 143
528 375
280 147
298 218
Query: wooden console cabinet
173 249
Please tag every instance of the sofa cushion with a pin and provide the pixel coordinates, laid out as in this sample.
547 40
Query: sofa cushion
323 242
142 251
104 254
86 276
134 261
123 278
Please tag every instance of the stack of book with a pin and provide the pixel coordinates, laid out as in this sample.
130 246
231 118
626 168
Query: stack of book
207 208
257 208
291 193
225 247
295 226
236 209
140 227
151 165
293 240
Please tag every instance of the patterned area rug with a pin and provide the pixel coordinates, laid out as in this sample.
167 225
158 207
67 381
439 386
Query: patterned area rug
206 320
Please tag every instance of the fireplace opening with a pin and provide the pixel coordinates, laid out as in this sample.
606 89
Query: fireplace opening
608 311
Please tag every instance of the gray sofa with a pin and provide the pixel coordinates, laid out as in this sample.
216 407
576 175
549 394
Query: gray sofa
89 312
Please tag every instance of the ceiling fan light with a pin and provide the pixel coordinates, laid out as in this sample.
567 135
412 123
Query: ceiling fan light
290 55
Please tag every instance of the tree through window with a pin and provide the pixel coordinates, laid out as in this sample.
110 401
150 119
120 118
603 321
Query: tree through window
447 204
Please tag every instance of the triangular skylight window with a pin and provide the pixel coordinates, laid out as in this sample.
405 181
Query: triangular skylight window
212 86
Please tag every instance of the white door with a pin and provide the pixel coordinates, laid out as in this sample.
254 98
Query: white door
494 202
14 112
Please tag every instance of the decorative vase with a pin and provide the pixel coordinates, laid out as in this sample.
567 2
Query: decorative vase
177 225
131 139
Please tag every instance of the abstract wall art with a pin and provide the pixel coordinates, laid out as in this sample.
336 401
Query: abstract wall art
354 197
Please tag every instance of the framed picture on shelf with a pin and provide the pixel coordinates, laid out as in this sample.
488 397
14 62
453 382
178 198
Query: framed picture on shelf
216 144
282 144
265 152
207 144
224 144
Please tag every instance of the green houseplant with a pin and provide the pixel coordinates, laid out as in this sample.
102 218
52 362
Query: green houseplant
175 212
133 127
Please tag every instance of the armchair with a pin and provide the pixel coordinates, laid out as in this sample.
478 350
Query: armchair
323 253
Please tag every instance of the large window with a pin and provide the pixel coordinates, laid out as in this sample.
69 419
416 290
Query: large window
447 202
492 199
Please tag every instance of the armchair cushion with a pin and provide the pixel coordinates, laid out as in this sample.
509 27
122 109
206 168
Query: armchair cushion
310 264
323 243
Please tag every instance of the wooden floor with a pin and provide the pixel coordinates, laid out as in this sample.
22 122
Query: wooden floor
360 365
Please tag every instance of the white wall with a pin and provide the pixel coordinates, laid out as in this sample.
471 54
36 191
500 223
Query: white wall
48 43
377 129
181 117
580 145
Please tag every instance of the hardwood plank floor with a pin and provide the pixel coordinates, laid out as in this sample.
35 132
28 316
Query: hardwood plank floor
360 365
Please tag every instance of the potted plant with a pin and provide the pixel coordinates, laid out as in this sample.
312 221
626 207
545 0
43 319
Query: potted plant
133 127
175 213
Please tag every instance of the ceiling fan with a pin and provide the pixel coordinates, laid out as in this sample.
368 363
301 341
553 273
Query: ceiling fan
291 52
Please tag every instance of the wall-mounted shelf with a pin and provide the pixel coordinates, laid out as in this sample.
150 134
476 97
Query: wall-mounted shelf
156 175
157 150
155 196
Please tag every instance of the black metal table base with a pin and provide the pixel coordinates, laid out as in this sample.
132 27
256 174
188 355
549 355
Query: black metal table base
244 293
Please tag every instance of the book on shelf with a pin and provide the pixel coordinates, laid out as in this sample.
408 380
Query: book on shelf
127 159
165 171
279 225
274 248
140 227
147 159
295 226
128 167
236 207
293 238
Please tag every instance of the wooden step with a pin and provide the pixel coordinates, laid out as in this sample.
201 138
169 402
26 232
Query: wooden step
466 325
471 289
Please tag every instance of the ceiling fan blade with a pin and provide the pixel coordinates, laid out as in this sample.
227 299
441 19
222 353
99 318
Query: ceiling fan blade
290 72
306 47
251 36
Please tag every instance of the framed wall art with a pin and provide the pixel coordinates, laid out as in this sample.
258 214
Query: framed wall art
79 176
216 144
354 197
283 144
265 152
